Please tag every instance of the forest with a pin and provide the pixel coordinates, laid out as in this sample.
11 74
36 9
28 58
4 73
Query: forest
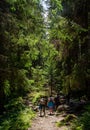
44 50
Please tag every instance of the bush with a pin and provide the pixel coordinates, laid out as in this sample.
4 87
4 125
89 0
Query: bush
83 122
37 96
17 117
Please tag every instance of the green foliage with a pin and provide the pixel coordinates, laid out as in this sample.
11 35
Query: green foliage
18 117
70 117
67 120
60 124
20 121
7 87
11 1
83 122
56 7
23 120
21 36
69 35
31 59
36 96
39 77
15 104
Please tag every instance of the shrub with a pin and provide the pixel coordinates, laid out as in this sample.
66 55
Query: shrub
37 96
17 117
83 122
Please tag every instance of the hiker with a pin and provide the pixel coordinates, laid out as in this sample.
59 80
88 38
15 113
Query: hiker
57 101
46 100
50 105
42 105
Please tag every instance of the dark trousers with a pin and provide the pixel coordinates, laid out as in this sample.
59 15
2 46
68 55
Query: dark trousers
42 109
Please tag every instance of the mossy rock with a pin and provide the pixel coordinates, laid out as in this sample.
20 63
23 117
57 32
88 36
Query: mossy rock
70 117
62 108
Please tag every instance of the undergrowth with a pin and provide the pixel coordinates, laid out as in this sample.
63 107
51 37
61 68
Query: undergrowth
17 116
77 123
36 96
83 122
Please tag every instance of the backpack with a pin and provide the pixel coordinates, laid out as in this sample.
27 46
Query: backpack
42 101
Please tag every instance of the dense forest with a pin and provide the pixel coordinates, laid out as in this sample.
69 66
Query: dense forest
43 50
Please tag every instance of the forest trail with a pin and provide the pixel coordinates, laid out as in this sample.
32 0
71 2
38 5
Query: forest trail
47 123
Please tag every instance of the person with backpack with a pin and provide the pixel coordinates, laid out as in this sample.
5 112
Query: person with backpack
50 105
42 105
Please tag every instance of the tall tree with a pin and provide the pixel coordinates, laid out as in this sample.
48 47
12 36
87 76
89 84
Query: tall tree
69 35
20 31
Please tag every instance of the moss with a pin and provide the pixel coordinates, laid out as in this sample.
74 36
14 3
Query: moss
70 117
60 124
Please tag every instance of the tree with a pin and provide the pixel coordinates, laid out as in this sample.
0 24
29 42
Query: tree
69 35
19 35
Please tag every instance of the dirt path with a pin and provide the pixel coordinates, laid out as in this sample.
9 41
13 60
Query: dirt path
47 123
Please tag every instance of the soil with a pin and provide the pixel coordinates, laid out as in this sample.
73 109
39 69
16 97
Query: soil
47 122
